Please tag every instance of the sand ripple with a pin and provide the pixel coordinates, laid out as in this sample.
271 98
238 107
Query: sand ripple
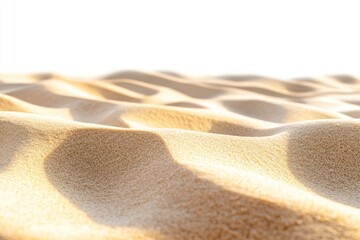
165 156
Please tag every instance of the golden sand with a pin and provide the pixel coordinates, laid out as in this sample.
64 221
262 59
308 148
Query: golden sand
139 155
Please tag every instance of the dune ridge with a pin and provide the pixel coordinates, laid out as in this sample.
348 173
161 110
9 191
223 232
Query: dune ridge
159 155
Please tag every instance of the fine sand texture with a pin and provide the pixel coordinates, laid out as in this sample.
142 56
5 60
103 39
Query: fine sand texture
159 155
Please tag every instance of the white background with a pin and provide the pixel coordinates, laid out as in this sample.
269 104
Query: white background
91 38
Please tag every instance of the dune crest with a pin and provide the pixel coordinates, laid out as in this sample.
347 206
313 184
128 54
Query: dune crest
139 155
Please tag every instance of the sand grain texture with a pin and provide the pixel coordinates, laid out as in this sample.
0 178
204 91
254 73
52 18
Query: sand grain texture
139 155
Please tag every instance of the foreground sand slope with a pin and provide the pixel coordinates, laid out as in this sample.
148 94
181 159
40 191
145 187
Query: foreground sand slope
164 156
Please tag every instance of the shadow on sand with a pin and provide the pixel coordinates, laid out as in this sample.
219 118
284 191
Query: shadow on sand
129 178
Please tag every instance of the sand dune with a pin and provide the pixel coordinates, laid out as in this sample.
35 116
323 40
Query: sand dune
138 155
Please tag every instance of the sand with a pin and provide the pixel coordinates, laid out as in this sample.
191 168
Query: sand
139 155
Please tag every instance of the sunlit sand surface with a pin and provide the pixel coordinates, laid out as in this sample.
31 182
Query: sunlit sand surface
160 155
